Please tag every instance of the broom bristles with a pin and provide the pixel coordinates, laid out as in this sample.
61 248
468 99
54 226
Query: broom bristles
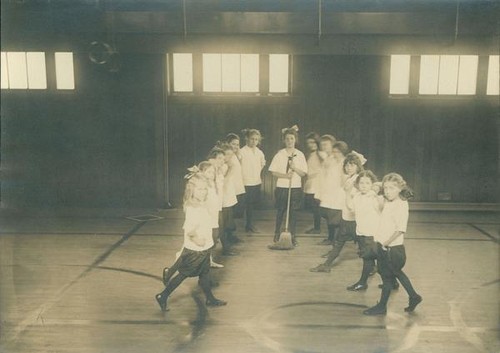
284 243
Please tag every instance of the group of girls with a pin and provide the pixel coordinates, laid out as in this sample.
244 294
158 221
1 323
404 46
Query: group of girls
357 207
337 188
219 189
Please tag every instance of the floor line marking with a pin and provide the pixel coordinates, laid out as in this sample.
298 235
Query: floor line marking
37 314
482 231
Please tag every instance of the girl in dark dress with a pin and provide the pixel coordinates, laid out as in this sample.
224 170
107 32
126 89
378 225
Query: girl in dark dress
194 260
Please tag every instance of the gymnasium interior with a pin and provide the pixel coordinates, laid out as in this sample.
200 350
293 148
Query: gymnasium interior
106 103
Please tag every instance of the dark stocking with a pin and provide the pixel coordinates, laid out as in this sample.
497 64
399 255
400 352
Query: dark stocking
172 285
337 248
368 265
204 282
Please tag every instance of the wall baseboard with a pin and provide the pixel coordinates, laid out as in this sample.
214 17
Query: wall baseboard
454 206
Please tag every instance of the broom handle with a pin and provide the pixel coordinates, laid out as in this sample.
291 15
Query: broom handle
288 204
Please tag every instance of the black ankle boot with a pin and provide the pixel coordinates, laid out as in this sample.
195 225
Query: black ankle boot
376 310
414 301
162 302
356 287
320 268
215 302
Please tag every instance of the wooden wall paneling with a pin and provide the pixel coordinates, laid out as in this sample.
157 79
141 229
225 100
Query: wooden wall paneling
94 146
161 138
210 122
98 145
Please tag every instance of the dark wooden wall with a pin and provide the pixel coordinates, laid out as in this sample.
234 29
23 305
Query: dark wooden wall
102 145
439 145
91 147
118 141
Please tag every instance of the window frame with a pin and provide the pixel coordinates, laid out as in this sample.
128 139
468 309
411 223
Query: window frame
230 93
409 75
50 74
488 68
171 73
198 89
481 72
73 72
290 77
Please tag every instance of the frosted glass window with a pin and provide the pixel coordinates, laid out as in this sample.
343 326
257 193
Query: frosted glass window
400 74
230 72
37 76
448 74
183 72
65 77
249 73
429 74
278 73
5 75
212 73
492 87
467 74
18 76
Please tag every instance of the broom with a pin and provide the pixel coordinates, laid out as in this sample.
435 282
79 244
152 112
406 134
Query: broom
285 240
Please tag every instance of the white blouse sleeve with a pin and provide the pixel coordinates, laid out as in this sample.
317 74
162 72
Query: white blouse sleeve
276 164
401 216
192 220
302 165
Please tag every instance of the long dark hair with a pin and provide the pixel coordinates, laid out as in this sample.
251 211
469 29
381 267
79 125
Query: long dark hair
313 136
366 174
353 158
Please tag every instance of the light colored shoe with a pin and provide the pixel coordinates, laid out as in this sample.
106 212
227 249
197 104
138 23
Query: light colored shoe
214 264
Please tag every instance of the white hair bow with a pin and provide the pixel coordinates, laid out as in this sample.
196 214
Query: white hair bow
360 156
295 127
192 172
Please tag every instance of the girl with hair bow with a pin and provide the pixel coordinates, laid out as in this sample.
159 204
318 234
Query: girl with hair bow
288 166
194 257
192 172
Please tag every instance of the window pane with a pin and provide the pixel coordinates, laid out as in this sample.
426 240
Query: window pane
249 73
230 73
448 74
16 62
467 74
5 76
400 74
278 73
492 87
183 72
429 73
37 77
212 73
65 78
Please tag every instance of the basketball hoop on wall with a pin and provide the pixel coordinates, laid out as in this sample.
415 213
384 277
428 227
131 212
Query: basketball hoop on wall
102 54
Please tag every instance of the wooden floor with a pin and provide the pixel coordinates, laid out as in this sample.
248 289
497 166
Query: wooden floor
86 284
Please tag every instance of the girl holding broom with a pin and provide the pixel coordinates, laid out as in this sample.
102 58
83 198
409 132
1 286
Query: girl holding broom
289 165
